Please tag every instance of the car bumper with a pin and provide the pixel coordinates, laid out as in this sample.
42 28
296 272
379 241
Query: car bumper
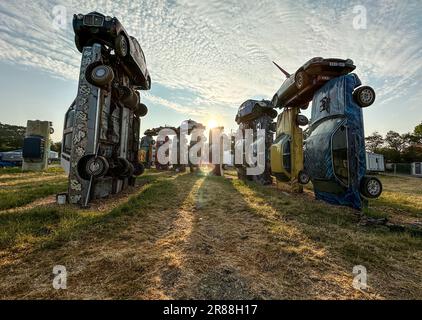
330 67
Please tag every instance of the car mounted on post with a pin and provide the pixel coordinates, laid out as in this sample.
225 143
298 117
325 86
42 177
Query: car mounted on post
335 146
298 89
253 114
101 131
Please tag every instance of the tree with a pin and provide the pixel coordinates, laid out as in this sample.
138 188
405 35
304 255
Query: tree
11 137
374 142
394 141
56 146
418 133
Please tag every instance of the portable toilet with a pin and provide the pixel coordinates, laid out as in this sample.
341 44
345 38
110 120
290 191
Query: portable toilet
416 169
374 162
36 145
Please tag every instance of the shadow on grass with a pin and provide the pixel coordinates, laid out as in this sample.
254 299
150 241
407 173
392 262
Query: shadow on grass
336 229
52 226
20 195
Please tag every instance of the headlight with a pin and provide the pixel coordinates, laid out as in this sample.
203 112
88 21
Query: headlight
80 16
108 18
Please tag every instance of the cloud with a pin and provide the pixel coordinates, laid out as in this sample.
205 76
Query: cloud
222 50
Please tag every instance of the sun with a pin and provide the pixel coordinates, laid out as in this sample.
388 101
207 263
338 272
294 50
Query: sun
212 124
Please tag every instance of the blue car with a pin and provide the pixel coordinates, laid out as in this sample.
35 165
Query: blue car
335 146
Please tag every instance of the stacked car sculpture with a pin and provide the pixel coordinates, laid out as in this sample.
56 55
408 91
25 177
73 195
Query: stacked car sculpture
333 154
101 130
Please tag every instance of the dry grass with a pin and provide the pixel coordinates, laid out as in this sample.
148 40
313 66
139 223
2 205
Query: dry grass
190 236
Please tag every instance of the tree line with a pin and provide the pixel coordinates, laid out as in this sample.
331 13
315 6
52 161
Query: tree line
11 138
396 147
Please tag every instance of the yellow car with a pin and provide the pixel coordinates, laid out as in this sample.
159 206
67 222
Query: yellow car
287 149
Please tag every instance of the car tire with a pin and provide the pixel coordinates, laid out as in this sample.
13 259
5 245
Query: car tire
121 46
301 80
139 169
302 120
91 166
364 96
100 76
141 110
125 93
371 187
303 177
125 168
272 113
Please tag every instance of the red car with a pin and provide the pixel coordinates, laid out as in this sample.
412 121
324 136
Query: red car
298 89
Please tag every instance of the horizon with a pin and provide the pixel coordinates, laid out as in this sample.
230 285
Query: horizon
206 59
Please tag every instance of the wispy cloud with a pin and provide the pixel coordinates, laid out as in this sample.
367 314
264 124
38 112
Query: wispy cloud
222 50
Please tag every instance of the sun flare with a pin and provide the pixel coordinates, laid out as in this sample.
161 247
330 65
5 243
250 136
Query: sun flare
212 124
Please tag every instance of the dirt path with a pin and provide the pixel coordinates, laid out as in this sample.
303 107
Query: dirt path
186 237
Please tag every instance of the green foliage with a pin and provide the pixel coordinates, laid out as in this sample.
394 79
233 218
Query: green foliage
396 147
11 137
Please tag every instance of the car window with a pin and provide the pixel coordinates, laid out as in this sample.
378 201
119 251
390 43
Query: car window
326 126
67 143
287 162
70 116
339 155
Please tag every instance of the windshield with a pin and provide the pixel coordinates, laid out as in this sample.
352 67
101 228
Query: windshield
326 126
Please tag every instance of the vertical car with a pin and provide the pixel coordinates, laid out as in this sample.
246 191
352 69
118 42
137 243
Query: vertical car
335 148
254 114
287 149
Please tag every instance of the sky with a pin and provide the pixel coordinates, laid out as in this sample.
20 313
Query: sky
207 57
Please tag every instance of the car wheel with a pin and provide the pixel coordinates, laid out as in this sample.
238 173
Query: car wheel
139 169
364 96
301 80
91 166
100 76
135 100
141 110
125 93
121 46
303 177
371 187
272 113
302 120
129 97
124 168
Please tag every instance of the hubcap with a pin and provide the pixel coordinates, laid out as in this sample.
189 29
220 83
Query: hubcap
100 72
366 96
94 167
373 187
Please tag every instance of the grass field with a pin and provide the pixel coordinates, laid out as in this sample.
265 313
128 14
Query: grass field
191 236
